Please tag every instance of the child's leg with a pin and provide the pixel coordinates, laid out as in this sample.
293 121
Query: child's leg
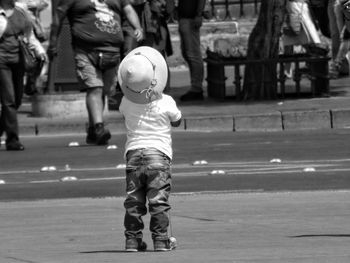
135 202
158 191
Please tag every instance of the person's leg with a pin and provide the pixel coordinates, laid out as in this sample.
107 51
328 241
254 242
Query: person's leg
333 27
9 106
336 66
343 50
18 79
288 70
339 16
135 202
310 25
158 191
95 104
191 51
92 80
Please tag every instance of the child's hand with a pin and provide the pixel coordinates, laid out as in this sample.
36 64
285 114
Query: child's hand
176 123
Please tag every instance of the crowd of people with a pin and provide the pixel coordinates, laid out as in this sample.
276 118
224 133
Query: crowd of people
312 25
105 31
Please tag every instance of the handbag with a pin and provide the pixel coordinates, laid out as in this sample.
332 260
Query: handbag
27 55
294 40
30 62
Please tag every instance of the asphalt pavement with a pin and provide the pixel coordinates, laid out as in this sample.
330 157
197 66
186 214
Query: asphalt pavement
309 226
291 113
227 227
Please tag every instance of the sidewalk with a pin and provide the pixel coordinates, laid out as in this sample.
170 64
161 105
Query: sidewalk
228 115
227 227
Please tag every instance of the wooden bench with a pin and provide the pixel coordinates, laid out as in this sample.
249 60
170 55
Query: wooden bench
317 72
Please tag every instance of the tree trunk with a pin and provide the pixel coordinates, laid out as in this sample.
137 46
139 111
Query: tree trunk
260 79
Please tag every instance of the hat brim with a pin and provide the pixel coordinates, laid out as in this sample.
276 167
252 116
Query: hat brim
160 74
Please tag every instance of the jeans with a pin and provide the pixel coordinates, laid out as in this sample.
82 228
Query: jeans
148 177
191 52
333 26
11 93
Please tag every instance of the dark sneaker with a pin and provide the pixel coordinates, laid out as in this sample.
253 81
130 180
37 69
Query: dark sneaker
91 136
135 245
164 245
192 96
14 145
102 134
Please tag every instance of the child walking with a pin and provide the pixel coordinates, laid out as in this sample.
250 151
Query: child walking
149 115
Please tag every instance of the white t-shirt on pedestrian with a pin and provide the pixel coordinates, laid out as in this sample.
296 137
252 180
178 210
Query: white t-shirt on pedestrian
149 125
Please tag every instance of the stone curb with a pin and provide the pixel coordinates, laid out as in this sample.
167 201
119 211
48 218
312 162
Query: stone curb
259 122
264 122
213 123
306 120
340 118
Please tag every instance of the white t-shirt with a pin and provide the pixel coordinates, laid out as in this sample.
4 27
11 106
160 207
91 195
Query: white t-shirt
148 125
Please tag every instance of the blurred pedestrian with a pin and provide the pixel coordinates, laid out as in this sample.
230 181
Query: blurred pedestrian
35 7
333 28
157 35
154 16
190 18
14 22
130 41
299 30
340 64
149 116
97 38
345 8
320 12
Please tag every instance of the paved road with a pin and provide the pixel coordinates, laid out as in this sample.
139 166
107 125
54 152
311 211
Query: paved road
295 227
273 226
249 162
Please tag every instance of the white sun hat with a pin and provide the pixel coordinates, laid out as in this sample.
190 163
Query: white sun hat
143 75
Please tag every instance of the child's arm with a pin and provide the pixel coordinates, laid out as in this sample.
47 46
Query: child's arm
174 113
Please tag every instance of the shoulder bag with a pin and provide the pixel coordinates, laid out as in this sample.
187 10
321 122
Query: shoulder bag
27 55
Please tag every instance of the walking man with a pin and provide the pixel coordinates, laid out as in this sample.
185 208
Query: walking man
97 38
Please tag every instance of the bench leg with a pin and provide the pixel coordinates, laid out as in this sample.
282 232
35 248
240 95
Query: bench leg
297 77
216 81
237 82
319 72
282 79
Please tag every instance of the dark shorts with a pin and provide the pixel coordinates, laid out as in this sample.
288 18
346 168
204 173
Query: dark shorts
90 76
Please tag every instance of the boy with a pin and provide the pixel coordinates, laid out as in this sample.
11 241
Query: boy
149 115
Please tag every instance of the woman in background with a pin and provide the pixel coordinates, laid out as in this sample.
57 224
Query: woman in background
14 21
